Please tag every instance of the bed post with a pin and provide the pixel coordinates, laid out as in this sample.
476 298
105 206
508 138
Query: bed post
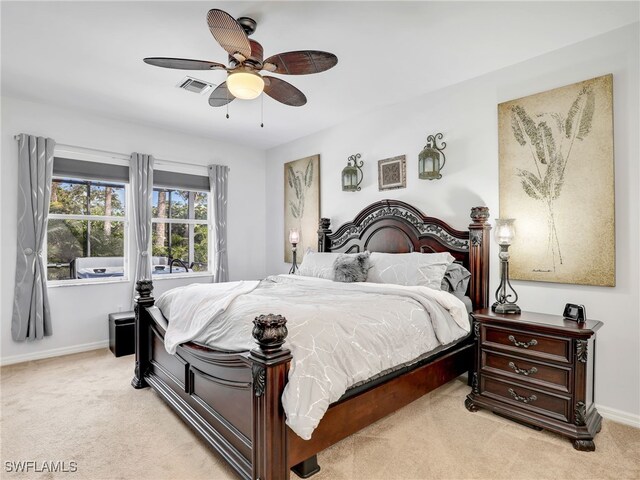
324 230
142 340
479 244
270 368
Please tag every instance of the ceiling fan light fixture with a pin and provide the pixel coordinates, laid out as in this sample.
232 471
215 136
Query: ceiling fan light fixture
245 85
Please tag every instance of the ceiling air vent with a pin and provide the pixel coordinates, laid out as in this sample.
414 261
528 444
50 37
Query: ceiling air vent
194 85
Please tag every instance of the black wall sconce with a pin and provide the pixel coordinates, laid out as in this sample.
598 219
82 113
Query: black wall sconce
352 174
431 158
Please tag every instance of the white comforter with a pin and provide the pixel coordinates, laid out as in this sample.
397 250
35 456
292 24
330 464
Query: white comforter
340 334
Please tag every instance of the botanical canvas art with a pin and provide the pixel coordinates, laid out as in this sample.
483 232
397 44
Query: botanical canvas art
557 181
301 204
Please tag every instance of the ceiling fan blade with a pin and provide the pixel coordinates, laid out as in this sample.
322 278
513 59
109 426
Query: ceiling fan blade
301 63
184 63
283 92
220 96
228 32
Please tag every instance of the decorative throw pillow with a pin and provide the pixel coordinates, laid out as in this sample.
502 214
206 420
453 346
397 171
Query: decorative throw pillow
456 279
411 269
351 268
432 268
394 268
319 265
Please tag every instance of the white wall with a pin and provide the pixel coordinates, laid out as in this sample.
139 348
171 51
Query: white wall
467 116
80 312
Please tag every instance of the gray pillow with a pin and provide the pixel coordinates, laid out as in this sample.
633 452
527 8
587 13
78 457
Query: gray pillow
351 267
456 279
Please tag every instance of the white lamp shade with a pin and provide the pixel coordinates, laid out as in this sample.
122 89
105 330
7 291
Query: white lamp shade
294 236
505 231
245 85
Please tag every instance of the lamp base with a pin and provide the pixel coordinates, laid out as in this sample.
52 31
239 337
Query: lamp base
505 308
294 265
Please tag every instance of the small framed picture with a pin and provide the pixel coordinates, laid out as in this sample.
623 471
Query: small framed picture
392 173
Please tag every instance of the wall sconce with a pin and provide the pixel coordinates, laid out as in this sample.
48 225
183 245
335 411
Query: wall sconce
294 239
352 174
431 158
505 301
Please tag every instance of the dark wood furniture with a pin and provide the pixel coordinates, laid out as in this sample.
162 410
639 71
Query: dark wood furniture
538 370
233 400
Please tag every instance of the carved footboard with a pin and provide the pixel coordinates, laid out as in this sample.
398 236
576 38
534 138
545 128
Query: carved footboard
232 400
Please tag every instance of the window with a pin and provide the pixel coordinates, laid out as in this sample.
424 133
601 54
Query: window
180 233
86 233
88 221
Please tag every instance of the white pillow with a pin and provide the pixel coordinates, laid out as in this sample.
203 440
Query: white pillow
411 269
319 265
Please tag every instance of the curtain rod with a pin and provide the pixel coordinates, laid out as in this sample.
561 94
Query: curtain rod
122 156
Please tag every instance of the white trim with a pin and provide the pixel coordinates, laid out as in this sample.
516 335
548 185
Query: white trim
91 155
175 276
179 167
54 352
92 218
96 155
189 221
76 282
619 416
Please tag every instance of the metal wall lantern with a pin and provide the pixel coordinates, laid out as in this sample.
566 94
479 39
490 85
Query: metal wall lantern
352 174
431 159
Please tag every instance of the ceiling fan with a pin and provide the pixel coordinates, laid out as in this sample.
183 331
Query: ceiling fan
244 80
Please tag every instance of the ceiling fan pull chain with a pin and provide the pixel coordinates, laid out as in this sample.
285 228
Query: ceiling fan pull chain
262 110
227 104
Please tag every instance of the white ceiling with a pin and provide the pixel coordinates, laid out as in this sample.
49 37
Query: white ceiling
88 55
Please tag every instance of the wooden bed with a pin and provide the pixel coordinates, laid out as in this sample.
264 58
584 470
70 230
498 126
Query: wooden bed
233 400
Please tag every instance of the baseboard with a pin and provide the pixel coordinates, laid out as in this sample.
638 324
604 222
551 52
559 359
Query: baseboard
619 416
54 352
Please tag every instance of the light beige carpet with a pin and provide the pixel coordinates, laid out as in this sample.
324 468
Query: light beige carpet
81 408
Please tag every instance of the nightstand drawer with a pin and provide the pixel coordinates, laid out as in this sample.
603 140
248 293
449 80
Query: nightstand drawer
528 371
527 343
528 398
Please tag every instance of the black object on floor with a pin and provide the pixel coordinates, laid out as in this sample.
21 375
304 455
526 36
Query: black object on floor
122 333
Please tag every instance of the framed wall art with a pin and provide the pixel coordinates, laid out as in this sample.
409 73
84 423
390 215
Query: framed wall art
557 181
392 173
301 204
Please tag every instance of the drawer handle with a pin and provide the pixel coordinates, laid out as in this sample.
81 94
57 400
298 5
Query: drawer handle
522 371
528 344
519 398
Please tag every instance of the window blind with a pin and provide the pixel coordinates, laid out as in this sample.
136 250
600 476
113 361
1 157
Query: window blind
70 168
183 181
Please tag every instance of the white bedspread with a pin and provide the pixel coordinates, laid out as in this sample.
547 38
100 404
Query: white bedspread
340 334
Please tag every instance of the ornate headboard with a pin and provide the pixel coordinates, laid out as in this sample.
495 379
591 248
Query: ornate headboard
392 226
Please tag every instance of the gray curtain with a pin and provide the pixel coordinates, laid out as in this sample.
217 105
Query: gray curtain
141 180
31 316
218 176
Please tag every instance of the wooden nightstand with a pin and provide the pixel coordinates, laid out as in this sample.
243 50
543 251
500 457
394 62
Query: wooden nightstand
538 370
